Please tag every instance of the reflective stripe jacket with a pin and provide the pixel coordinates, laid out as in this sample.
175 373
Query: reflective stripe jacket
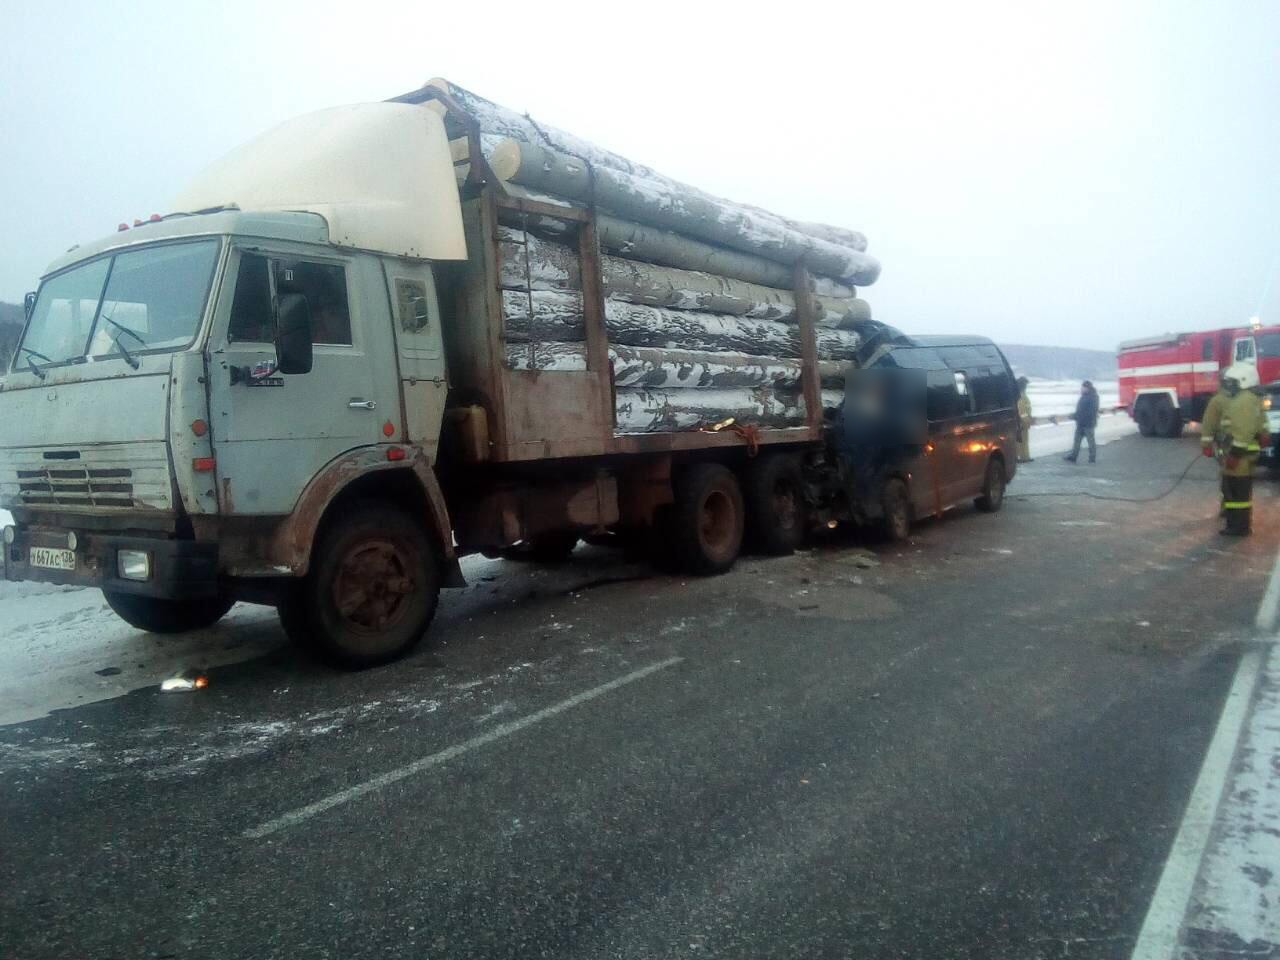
1239 425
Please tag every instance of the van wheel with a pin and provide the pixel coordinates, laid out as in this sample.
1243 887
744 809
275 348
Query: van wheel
895 505
1167 419
992 498
371 591
705 523
156 615
774 495
1146 419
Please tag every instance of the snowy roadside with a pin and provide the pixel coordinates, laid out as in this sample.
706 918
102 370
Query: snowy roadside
1050 439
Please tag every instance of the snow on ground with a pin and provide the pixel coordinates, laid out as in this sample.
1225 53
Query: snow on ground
1057 398
1049 439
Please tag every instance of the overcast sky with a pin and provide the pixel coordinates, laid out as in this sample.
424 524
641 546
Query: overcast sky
1055 173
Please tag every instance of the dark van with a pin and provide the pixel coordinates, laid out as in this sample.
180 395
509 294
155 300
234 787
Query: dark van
965 448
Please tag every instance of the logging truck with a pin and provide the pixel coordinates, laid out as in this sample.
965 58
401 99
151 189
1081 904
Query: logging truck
358 354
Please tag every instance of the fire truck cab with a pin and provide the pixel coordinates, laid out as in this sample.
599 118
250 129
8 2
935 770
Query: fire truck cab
1166 381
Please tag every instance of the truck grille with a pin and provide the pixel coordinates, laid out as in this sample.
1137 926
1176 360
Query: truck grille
102 477
69 486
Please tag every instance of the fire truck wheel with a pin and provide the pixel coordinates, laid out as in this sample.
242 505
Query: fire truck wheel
167 616
706 521
371 591
773 489
1146 419
1168 421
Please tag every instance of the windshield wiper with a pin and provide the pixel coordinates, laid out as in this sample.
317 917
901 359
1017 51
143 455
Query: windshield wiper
31 364
128 357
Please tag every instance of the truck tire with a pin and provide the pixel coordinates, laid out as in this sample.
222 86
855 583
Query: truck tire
993 485
167 616
1145 417
895 507
1168 421
371 591
773 491
705 524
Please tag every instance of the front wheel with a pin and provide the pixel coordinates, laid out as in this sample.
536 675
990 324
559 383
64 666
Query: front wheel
156 615
992 498
371 591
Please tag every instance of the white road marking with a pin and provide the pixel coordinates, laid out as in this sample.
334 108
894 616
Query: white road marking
1270 605
1158 939
294 817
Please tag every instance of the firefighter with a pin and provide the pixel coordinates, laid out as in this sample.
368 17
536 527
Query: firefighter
1235 431
1024 422
1213 414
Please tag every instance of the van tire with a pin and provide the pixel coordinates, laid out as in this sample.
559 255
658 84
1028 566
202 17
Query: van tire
993 485
705 524
371 591
895 508
773 491
157 615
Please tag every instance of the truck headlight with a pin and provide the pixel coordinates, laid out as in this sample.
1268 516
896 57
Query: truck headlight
10 534
133 564
72 540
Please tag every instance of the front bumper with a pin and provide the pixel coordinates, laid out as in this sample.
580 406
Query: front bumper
179 568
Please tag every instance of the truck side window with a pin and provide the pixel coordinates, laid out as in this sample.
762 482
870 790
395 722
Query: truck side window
1244 349
251 308
1206 349
325 287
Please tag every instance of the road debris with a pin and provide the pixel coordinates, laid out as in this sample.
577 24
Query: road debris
187 680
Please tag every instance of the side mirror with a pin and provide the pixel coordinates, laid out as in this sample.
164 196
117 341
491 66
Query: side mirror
293 334
28 304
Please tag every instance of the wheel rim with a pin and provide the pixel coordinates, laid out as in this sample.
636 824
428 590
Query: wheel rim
715 522
373 587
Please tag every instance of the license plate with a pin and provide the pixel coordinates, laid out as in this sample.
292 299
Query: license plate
53 559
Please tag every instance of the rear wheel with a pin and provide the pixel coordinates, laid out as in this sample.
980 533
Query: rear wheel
1145 418
1168 421
705 524
993 483
167 616
371 591
773 492
895 505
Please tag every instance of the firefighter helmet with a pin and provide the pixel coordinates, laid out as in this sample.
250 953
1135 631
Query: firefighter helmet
1244 374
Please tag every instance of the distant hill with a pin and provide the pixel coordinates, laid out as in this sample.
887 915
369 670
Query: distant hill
1060 363
10 329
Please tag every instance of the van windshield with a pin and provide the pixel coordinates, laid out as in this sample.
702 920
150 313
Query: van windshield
151 298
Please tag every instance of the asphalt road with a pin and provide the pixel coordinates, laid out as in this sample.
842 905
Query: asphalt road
976 744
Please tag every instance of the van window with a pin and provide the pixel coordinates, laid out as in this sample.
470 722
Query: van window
992 390
942 400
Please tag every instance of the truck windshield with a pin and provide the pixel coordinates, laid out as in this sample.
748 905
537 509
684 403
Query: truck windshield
152 298
1269 344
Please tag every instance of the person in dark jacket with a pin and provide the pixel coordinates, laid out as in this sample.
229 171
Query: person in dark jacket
1086 421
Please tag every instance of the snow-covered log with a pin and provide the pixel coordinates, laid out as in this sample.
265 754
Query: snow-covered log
648 410
639 242
497 121
555 315
530 262
684 210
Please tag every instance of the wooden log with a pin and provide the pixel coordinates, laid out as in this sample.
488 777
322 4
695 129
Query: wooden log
530 261
555 315
673 207
499 121
646 410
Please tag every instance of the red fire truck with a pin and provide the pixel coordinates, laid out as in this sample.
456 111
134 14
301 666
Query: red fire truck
1166 381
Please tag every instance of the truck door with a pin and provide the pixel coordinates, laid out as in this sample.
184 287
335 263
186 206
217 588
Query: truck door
411 290
273 433
1245 351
